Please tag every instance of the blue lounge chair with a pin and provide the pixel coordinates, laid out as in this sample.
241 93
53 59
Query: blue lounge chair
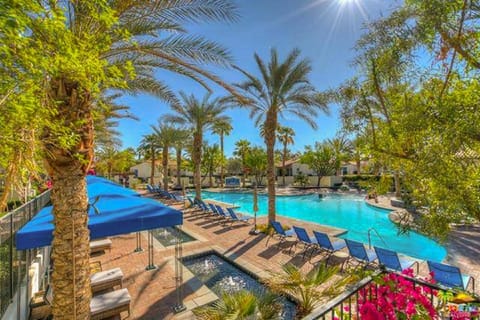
390 260
303 238
214 211
450 276
222 213
327 245
240 218
357 250
282 234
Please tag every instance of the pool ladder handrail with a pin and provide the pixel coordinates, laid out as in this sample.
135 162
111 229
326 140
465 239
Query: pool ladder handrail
378 235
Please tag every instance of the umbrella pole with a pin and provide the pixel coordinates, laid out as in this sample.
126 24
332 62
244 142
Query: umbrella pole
139 243
151 265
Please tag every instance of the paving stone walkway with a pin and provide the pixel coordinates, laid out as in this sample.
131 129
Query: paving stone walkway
153 292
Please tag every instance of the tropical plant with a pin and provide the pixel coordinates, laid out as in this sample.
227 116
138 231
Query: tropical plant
282 87
242 147
149 147
234 166
200 116
212 158
320 159
222 128
303 287
285 136
341 149
182 140
72 52
166 136
256 163
242 305
110 160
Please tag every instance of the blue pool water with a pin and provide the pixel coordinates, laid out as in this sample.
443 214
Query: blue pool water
349 212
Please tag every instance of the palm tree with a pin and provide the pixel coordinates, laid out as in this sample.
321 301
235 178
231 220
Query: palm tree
200 116
303 287
241 150
283 87
211 159
222 128
341 148
166 135
285 136
242 305
182 139
118 46
149 147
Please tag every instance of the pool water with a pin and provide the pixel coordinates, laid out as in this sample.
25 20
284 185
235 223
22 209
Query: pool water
349 212
222 277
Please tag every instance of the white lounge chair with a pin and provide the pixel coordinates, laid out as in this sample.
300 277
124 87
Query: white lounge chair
100 245
106 279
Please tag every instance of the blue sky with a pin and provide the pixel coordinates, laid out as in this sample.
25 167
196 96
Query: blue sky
324 30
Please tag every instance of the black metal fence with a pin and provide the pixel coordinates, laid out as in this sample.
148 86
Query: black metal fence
13 263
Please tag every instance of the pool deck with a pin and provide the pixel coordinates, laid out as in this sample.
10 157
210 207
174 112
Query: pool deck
153 292
463 243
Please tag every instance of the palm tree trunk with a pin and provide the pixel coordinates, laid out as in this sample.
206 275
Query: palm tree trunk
318 181
221 165
179 164
152 168
243 170
165 167
197 159
270 129
210 177
67 168
283 163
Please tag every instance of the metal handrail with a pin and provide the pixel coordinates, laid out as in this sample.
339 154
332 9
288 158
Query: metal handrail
378 235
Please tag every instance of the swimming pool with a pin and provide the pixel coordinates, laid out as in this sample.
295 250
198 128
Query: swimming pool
349 212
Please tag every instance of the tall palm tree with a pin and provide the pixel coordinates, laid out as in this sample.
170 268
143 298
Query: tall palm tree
282 87
241 150
182 140
200 116
285 136
222 128
211 159
149 148
166 135
118 45
342 148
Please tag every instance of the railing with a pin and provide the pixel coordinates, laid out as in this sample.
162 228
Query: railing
378 235
346 305
13 263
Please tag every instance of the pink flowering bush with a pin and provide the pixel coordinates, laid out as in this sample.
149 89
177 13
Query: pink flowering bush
396 298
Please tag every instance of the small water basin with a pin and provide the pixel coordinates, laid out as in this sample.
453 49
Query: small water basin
221 276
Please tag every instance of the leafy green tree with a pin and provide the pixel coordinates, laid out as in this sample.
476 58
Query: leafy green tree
285 136
242 147
222 128
71 53
234 166
200 116
321 159
256 163
341 148
419 119
283 87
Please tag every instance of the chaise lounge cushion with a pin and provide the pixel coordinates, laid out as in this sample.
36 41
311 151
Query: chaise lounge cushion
100 245
106 279
109 301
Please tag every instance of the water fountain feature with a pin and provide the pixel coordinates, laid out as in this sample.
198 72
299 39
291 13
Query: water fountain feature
166 236
221 276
